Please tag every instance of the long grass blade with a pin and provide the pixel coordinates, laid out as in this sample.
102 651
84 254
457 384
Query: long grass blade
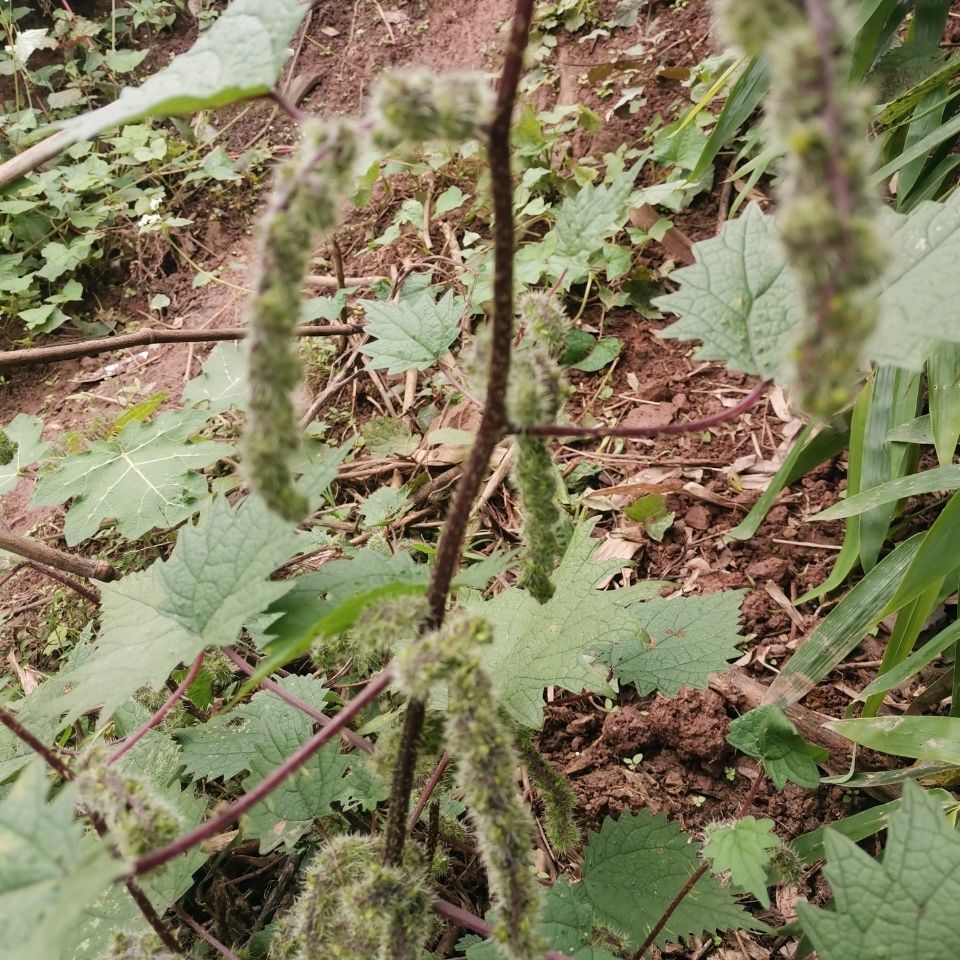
844 627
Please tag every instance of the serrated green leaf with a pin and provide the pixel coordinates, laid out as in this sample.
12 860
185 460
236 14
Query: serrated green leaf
767 734
288 812
144 478
536 645
412 333
48 874
212 584
901 906
741 302
240 56
566 923
593 214
686 639
634 868
222 383
226 745
25 432
742 849
387 436
738 298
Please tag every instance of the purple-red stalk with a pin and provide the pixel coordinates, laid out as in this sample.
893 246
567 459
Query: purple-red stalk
637 433
428 789
354 739
161 713
266 786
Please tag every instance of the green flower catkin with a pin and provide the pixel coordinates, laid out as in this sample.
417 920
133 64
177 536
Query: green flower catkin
8 449
305 200
535 396
353 906
133 946
415 105
138 816
481 740
829 219
558 799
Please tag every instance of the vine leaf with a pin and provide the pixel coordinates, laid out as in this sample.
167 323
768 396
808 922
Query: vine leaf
145 477
222 383
738 298
767 733
412 333
25 432
686 639
212 584
635 866
901 906
48 873
240 56
742 849
537 645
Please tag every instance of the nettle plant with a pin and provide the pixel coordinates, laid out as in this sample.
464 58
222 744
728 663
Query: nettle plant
118 797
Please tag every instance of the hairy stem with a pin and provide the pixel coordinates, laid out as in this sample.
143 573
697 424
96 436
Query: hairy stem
23 734
493 423
61 769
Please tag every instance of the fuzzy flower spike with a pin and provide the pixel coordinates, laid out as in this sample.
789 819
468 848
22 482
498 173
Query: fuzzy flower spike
830 217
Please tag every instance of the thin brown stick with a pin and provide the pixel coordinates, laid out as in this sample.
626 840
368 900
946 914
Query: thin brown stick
695 876
58 559
10 359
204 934
493 422
428 788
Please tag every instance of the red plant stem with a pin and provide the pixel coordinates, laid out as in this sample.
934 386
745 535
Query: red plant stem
746 804
22 733
204 934
636 433
158 717
468 921
266 786
428 789
60 768
493 421
151 915
354 739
